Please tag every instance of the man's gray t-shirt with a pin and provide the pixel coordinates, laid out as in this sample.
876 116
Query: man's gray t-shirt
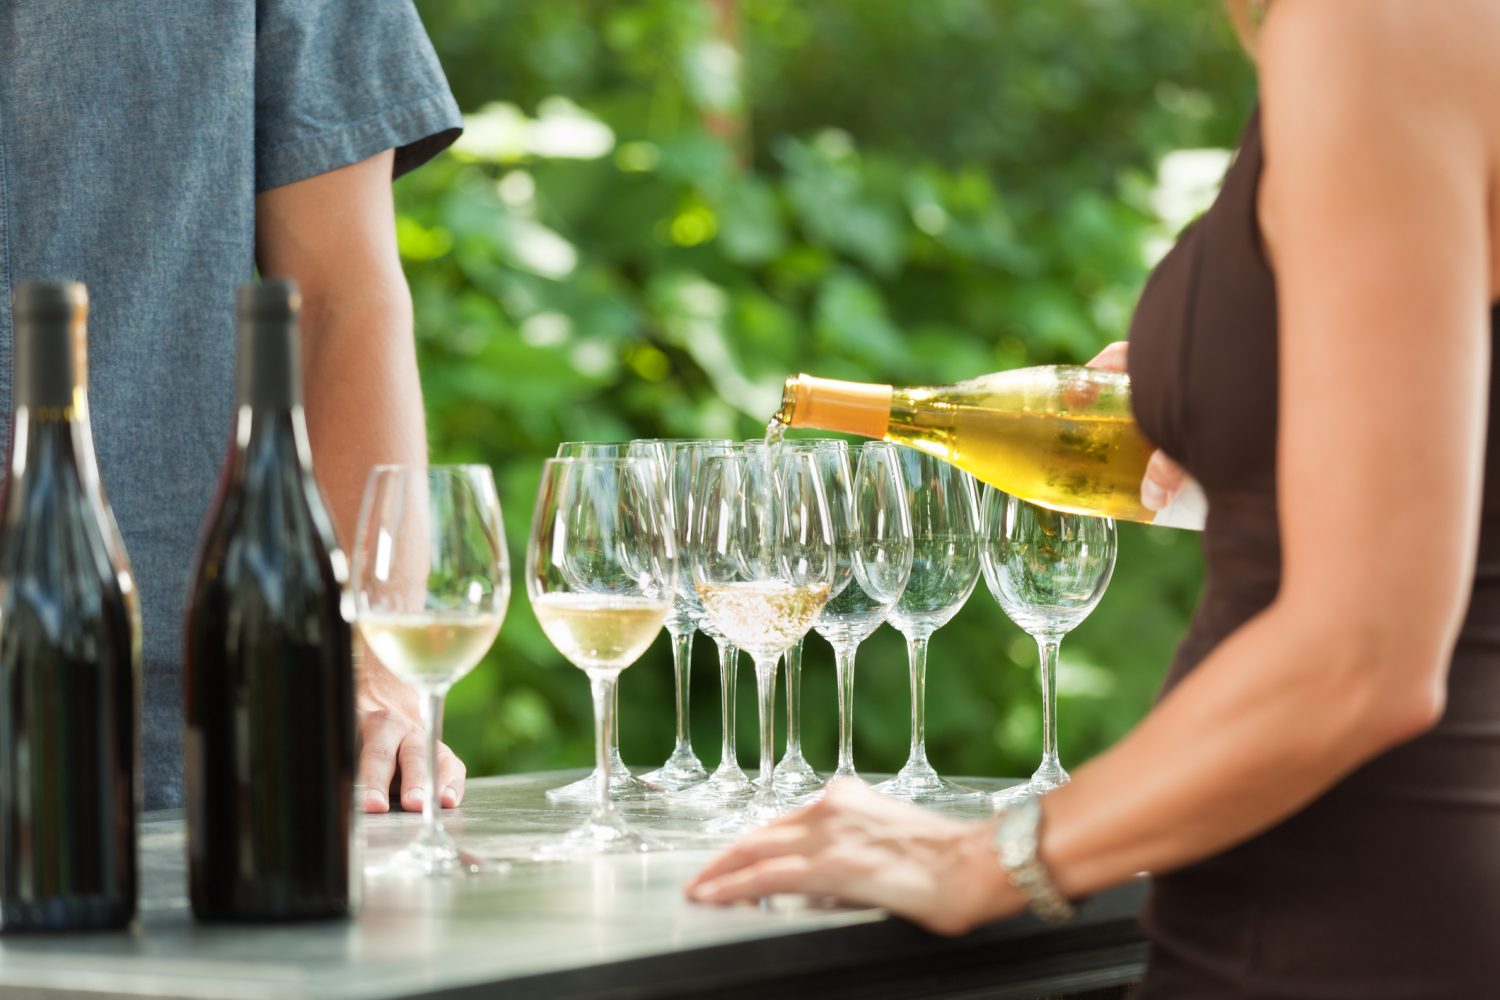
134 136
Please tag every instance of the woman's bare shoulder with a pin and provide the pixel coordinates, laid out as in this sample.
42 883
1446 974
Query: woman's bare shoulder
1395 52
1381 99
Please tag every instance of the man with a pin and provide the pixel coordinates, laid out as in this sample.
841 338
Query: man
160 152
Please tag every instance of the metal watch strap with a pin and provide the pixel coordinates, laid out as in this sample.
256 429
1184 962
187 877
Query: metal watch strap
1016 839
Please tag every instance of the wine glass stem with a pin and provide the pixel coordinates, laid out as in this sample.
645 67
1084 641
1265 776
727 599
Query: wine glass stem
603 685
614 715
682 656
794 700
843 665
916 654
765 687
729 659
1047 646
432 799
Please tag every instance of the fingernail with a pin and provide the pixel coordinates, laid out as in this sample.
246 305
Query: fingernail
450 796
411 799
1153 497
376 799
706 892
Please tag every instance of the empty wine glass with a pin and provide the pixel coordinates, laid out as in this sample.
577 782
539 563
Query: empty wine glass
1047 570
794 775
600 570
728 785
873 541
944 509
763 564
623 786
431 583
683 769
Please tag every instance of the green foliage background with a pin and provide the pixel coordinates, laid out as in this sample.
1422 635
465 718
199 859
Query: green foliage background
664 218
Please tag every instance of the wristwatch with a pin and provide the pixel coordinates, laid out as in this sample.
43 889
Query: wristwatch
1016 838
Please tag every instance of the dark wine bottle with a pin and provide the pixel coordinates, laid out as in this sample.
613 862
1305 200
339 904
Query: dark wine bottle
69 645
268 673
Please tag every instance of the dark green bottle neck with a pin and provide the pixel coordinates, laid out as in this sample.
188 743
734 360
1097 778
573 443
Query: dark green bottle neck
270 366
50 364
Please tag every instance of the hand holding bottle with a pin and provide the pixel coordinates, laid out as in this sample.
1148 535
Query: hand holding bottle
1164 479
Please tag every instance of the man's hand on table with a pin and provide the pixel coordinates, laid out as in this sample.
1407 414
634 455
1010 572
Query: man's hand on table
392 760
859 846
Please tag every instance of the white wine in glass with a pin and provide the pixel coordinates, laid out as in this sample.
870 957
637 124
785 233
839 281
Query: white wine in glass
599 632
429 650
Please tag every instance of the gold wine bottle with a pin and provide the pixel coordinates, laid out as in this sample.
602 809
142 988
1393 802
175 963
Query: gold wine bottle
1058 436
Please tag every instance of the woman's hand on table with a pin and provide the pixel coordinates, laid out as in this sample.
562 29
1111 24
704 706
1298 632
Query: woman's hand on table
1164 477
861 847
392 759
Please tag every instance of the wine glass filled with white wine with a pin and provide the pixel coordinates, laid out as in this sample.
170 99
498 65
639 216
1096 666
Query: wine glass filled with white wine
624 786
600 573
431 583
763 563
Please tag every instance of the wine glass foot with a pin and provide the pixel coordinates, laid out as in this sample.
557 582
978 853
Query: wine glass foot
682 770
435 855
923 786
623 787
594 839
757 813
727 786
1010 796
1043 781
794 776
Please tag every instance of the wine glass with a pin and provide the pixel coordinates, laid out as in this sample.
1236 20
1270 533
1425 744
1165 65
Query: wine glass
794 775
944 507
728 785
1047 570
623 786
763 564
682 459
600 570
875 547
431 584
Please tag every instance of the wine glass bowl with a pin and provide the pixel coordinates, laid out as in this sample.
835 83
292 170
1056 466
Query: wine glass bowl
600 575
1047 570
431 583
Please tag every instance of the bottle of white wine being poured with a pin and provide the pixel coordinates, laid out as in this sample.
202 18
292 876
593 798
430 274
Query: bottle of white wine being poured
1059 436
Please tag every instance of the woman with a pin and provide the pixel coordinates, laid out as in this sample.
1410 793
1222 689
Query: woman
1318 790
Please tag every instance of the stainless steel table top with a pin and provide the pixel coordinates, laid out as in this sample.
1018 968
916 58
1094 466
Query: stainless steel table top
555 928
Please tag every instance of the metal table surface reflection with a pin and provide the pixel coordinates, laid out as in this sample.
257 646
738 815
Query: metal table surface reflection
609 928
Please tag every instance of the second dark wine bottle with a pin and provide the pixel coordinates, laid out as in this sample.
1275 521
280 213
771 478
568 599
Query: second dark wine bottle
69 645
268 674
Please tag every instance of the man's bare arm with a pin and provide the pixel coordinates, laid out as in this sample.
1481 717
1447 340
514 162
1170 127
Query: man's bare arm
335 234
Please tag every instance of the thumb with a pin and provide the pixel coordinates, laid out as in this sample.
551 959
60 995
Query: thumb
1164 480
